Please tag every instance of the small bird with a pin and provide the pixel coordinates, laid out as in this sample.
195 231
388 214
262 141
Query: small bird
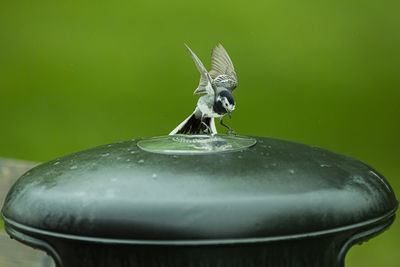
218 85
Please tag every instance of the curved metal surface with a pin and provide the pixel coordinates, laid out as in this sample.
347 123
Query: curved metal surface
34 242
363 235
386 220
271 190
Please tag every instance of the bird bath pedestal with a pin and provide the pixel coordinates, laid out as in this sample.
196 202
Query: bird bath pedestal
199 201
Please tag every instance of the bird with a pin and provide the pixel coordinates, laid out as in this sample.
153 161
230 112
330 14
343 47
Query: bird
217 85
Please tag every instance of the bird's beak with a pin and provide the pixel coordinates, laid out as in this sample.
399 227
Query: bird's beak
230 114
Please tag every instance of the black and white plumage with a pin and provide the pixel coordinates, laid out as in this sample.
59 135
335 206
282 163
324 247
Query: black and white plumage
218 85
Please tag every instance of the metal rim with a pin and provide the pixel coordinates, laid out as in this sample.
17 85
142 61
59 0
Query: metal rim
9 223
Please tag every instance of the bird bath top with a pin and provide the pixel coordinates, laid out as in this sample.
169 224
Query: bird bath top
196 144
269 190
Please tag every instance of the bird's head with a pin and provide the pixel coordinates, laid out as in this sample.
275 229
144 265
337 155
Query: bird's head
227 101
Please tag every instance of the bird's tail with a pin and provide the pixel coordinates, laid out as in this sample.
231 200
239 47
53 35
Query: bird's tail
193 125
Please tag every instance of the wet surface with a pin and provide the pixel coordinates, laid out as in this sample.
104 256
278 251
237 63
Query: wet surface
273 189
196 144
14 253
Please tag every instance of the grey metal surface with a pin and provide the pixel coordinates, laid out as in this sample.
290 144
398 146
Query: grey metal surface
10 171
274 190
12 252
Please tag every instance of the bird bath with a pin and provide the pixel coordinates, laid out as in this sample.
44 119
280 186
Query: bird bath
177 201
196 144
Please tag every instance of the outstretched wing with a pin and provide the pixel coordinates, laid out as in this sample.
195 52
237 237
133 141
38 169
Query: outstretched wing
205 85
222 70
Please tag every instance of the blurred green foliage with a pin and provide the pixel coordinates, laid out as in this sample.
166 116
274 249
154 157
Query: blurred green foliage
79 74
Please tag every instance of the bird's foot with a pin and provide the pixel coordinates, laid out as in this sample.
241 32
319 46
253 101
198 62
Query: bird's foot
207 130
231 131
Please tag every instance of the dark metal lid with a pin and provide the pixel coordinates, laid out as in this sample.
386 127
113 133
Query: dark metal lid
273 190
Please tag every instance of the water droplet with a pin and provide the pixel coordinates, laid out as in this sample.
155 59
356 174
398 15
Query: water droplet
128 160
291 171
133 152
273 164
56 163
74 167
154 175
240 157
109 146
269 146
105 154
325 165
141 161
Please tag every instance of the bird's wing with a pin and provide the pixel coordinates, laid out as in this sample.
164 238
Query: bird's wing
205 85
221 65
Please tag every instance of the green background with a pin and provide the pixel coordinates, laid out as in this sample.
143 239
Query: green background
79 74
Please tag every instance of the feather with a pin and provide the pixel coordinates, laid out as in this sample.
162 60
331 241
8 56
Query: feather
222 70
205 84
193 125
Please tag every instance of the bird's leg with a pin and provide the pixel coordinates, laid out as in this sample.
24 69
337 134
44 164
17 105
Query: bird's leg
230 130
208 130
